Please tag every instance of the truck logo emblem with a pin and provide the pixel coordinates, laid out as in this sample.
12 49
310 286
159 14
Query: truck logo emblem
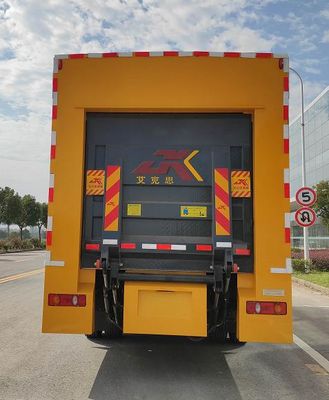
178 160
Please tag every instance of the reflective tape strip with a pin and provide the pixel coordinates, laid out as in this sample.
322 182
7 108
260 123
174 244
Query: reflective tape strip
224 245
110 55
172 53
178 247
112 198
113 242
185 53
286 83
51 180
125 54
162 246
149 246
222 202
54 263
54 112
286 270
286 112
51 188
95 55
287 220
55 98
77 55
216 54
142 54
248 55
285 98
53 137
286 138
49 223
156 53
286 184
285 64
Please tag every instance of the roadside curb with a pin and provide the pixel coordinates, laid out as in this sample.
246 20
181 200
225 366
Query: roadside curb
20 251
311 285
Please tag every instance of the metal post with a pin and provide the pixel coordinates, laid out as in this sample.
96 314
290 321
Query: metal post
305 230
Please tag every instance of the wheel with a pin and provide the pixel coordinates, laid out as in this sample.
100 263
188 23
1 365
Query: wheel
218 334
233 339
112 331
94 335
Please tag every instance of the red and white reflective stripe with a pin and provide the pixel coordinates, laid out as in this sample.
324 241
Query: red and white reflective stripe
196 53
51 188
287 227
280 270
49 233
286 138
286 184
55 98
163 246
53 145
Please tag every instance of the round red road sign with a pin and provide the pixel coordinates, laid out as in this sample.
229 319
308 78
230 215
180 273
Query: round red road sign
306 196
305 217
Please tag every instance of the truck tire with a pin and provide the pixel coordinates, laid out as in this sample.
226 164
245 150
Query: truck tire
234 340
219 334
112 331
94 335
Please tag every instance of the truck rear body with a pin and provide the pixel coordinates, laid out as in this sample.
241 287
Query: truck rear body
169 200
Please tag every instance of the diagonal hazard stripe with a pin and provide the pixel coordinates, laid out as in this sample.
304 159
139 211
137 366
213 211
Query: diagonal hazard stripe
112 216
113 190
223 221
222 195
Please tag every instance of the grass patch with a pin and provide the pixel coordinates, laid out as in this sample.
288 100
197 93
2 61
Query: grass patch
319 278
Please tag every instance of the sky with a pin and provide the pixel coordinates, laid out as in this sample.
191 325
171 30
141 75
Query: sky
32 31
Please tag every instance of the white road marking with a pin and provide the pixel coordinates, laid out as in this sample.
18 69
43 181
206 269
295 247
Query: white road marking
312 353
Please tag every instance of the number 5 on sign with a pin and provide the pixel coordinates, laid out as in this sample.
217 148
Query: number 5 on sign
306 196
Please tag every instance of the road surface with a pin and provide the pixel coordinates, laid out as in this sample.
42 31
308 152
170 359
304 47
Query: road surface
37 366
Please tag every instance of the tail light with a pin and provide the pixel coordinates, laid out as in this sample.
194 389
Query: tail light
204 247
266 307
92 246
73 300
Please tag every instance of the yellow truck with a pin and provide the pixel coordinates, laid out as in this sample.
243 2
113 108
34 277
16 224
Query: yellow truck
169 196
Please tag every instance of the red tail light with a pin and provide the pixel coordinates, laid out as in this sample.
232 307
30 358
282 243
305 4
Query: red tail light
128 245
92 246
204 247
163 247
242 252
266 307
74 300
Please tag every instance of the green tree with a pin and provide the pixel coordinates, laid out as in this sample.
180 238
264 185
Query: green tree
42 217
321 207
9 207
28 213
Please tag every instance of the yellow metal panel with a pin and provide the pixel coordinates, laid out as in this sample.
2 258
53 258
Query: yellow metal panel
165 308
173 84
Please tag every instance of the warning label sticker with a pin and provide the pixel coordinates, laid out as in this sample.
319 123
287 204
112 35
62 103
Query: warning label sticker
95 182
193 212
134 210
240 184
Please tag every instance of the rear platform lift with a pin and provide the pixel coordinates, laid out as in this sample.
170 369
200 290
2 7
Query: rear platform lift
191 299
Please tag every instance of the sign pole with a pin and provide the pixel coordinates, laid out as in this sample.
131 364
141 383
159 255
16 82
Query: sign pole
305 230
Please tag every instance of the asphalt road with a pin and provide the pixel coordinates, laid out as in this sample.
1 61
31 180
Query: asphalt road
37 366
